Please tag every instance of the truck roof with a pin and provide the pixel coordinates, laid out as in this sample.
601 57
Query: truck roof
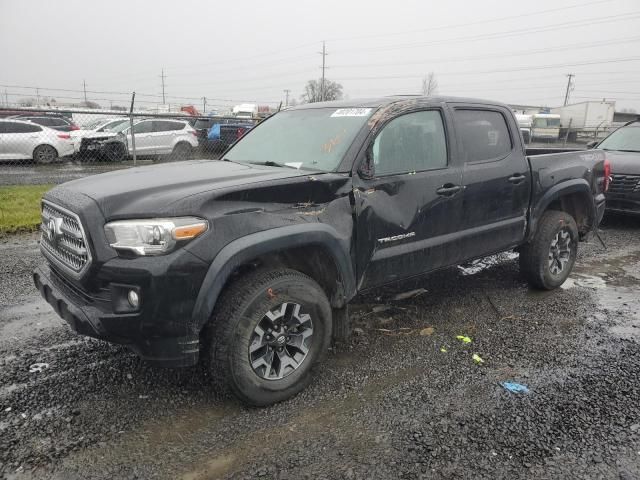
377 102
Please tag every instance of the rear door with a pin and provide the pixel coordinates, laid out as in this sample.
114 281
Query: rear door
496 178
164 135
408 207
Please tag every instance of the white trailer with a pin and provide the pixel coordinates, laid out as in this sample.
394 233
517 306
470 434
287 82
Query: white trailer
591 118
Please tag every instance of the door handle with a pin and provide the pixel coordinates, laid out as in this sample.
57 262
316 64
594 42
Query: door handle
517 178
448 190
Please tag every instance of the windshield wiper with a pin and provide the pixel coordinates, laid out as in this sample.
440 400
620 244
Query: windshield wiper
274 164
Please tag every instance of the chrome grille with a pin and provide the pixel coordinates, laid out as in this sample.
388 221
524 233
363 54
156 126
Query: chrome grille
624 183
63 240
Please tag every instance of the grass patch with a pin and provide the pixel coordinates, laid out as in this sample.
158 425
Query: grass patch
20 207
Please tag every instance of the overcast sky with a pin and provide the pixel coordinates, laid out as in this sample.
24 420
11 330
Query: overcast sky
515 52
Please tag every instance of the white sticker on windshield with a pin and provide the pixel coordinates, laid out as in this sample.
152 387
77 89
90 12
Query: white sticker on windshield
351 112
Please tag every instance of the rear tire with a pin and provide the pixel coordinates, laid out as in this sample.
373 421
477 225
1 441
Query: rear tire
249 349
45 154
546 262
182 151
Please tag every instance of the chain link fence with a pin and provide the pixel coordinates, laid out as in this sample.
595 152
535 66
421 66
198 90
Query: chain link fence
73 143
53 146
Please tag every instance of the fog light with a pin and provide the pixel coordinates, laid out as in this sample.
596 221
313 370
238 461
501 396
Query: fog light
134 299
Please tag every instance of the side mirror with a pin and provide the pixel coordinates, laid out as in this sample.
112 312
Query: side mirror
592 144
367 169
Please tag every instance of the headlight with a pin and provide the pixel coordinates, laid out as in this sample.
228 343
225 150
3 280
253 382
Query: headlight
154 236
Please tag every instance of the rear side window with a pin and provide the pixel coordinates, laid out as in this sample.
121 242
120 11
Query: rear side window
57 122
483 134
21 128
167 126
411 143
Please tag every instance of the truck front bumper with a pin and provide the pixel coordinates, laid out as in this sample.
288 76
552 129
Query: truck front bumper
154 332
628 204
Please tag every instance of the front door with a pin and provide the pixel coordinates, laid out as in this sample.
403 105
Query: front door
408 202
144 138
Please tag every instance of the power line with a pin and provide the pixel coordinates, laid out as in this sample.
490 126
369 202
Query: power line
500 55
479 22
519 69
508 33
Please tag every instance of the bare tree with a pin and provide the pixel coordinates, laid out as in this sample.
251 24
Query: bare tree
429 85
313 91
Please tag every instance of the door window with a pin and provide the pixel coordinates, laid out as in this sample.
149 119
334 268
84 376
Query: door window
411 143
142 127
12 127
167 126
484 135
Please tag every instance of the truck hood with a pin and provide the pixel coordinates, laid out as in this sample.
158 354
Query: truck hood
624 162
151 190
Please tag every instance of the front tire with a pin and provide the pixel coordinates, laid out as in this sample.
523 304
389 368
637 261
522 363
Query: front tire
45 154
547 261
268 331
113 152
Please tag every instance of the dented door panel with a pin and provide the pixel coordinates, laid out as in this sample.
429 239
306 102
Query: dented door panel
404 227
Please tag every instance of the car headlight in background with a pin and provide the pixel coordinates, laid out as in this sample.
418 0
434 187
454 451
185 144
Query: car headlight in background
153 236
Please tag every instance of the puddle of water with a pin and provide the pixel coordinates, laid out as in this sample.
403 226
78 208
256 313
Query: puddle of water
615 284
214 468
582 280
477 266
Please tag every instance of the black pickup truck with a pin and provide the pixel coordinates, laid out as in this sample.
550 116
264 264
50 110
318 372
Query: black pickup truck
249 263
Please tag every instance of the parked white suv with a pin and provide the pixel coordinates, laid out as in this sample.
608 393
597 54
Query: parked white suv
20 140
163 137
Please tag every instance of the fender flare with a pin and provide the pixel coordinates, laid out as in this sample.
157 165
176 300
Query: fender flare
578 185
254 245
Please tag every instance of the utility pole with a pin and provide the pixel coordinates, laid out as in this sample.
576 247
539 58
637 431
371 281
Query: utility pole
6 97
569 85
84 86
38 97
324 55
286 101
162 77
204 104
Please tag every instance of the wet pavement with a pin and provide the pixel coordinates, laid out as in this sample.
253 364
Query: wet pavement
404 399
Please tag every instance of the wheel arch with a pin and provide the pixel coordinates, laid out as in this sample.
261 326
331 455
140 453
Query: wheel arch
573 197
314 249
43 145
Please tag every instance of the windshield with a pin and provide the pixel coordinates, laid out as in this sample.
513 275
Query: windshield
94 124
115 125
625 138
121 126
313 138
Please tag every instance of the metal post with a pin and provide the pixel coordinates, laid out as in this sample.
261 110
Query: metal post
133 137
566 95
568 132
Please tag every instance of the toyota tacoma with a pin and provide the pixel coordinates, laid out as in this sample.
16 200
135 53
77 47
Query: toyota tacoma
249 263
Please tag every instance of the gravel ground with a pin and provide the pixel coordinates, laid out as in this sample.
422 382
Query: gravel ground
391 404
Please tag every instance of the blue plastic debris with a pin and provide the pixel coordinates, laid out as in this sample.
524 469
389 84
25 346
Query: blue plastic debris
515 387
